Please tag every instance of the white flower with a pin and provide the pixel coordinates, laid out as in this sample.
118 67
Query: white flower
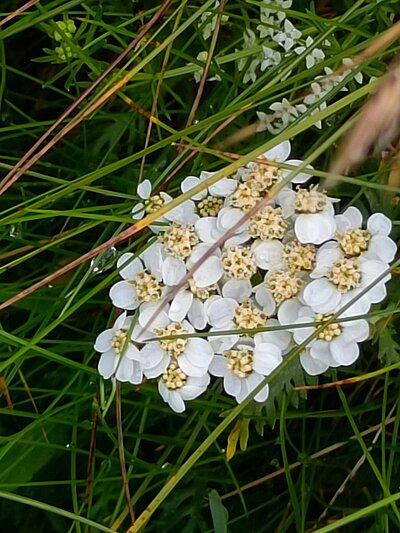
316 95
208 21
343 281
193 354
223 188
249 42
336 345
288 36
141 278
314 57
183 213
202 57
244 367
211 229
271 58
349 63
313 213
119 357
175 387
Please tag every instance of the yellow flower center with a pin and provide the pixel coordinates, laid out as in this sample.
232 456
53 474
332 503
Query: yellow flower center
330 331
267 224
210 206
153 204
202 293
262 178
118 341
147 287
244 197
345 274
354 241
179 240
174 347
240 362
247 317
310 201
283 285
238 262
173 377
299 256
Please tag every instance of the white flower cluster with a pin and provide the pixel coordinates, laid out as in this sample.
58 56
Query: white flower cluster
295 263
280 40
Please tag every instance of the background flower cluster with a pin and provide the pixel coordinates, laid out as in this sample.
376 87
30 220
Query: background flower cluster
291 267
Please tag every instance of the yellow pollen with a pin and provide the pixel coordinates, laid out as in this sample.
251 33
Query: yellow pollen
179 240
247 317
310 201
238 262
299 257
153 204
200 292
345 274
330 331
261 178
354 241
174 347
283 285
240 362
147 287
119 340
244 197
267 224
173 377
210 206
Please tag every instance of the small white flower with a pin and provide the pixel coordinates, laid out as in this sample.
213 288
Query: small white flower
202 57
271 58
183 213
141 278
244 367
175 387
314 57
208 21
288 36
349 63
336 345
223 188
192 354
119 357
316 95
211 229
313 213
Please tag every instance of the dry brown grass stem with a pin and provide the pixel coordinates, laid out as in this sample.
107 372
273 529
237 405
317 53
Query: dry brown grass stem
18 11
32 156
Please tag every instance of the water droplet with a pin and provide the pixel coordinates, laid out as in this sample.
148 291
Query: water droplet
103 261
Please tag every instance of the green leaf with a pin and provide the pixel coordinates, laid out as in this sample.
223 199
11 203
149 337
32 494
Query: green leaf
219 513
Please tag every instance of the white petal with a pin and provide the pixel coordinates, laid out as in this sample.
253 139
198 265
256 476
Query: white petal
265 299
268 254
153 258
344 353
132 353
220 343
144 189
267 357
189 368
138 211
288 311
229 217
281 338
321 296
232 384
238 289
124 369
220 311
262 395
159 321
123 295
371 270
326 256
206 228
218 366
132 266
197 315
301 177
379 224
313 365
355 331
173 270
137 374
189 183
180 305
279 153
103 340
107 364
314 228
209 272
223 188
194 387
382 248
300 334
354 217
